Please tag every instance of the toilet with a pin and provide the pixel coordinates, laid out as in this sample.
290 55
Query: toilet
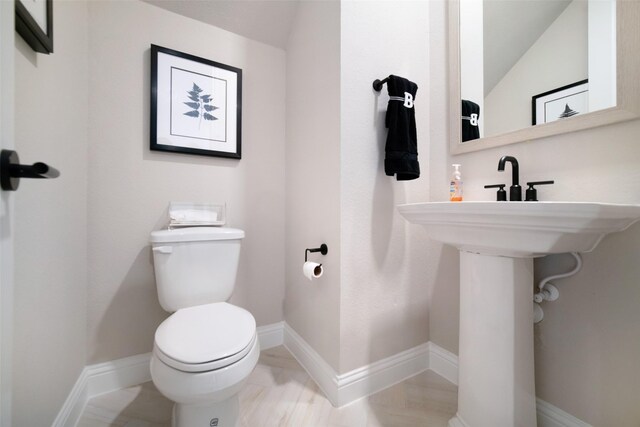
204 352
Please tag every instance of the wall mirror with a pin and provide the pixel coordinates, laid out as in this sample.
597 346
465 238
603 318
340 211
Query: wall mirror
528 69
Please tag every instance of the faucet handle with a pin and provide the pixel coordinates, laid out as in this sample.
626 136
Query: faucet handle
501 196
531 195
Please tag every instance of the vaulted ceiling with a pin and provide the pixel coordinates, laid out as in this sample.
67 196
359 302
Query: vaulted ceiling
267 21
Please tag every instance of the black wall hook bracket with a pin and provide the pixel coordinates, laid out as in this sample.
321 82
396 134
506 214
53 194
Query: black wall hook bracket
11 170
377 84
323 249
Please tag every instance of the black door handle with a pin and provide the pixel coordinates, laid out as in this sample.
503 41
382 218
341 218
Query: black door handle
11 170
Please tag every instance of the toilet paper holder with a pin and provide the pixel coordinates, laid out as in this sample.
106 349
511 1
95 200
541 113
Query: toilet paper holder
323 249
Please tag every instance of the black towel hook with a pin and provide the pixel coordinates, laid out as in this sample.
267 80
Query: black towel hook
377 84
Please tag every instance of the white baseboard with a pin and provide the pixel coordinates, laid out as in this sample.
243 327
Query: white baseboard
321 372
270 335
115 375
342 389
550 416
118 374
102 378
443 363
382 374
72 408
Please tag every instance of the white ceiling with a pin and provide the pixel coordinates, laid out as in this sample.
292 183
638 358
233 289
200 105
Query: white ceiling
510 29
267 21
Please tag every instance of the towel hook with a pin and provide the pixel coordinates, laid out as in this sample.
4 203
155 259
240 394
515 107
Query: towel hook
377 84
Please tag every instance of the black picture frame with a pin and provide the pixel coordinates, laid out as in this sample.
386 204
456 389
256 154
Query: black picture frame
40 39
558 96
196 105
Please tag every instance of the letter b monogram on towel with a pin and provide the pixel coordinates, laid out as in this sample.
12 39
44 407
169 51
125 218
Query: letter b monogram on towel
408 100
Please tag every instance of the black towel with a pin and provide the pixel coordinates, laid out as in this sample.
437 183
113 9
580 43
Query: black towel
402 145
470 116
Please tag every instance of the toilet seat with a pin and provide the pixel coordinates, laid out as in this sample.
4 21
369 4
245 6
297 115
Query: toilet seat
206 366
205 337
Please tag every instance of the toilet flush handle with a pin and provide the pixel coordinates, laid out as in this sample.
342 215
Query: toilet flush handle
163 249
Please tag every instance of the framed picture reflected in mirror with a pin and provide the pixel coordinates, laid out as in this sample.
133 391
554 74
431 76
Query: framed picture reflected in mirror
560 103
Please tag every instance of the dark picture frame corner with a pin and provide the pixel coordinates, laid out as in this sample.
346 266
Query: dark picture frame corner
38 38
559 102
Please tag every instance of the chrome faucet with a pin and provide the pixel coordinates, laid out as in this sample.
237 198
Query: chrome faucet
515 191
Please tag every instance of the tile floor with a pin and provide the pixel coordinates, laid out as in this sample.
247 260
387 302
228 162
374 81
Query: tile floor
280 393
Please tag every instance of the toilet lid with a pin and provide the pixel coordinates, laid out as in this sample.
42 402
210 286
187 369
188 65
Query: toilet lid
205 333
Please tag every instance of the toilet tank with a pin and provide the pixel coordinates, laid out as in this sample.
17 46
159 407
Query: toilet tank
195 265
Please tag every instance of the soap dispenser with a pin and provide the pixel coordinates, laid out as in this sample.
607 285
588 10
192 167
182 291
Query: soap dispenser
455 188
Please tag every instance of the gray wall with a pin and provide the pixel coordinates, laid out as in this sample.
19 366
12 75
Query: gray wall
372 302
85 290
312 309
131 187
50 234
384 303
588 345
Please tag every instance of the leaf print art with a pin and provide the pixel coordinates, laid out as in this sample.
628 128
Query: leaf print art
200 105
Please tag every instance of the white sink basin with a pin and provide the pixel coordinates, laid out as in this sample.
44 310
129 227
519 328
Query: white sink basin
497 243
521 229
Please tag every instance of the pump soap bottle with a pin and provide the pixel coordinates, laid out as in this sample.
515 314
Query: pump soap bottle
455 189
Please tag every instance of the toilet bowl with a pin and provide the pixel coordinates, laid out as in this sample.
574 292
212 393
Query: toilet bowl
202 357
204 352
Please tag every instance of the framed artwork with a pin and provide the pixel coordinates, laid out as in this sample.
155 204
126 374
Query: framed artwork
34 22
196 105
560 103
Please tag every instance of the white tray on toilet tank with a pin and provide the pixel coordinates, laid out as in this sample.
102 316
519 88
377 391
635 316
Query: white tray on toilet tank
187 214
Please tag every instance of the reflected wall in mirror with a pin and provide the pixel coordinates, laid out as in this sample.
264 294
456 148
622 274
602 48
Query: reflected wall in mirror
527 69
512 51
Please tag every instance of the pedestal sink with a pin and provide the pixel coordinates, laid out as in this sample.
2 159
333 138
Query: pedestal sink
497 243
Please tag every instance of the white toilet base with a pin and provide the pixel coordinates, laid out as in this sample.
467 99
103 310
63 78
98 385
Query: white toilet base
218 414
201 397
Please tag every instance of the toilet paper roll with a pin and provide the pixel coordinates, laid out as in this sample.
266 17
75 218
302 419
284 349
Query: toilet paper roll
312 270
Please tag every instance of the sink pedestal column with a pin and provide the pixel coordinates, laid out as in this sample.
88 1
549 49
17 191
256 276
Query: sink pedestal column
496 385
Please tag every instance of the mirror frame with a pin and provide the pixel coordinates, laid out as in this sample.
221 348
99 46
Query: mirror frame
627 92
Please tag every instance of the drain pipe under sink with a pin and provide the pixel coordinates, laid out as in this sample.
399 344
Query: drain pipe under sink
548 292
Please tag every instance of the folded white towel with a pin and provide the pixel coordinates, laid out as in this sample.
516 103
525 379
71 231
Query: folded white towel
192 215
